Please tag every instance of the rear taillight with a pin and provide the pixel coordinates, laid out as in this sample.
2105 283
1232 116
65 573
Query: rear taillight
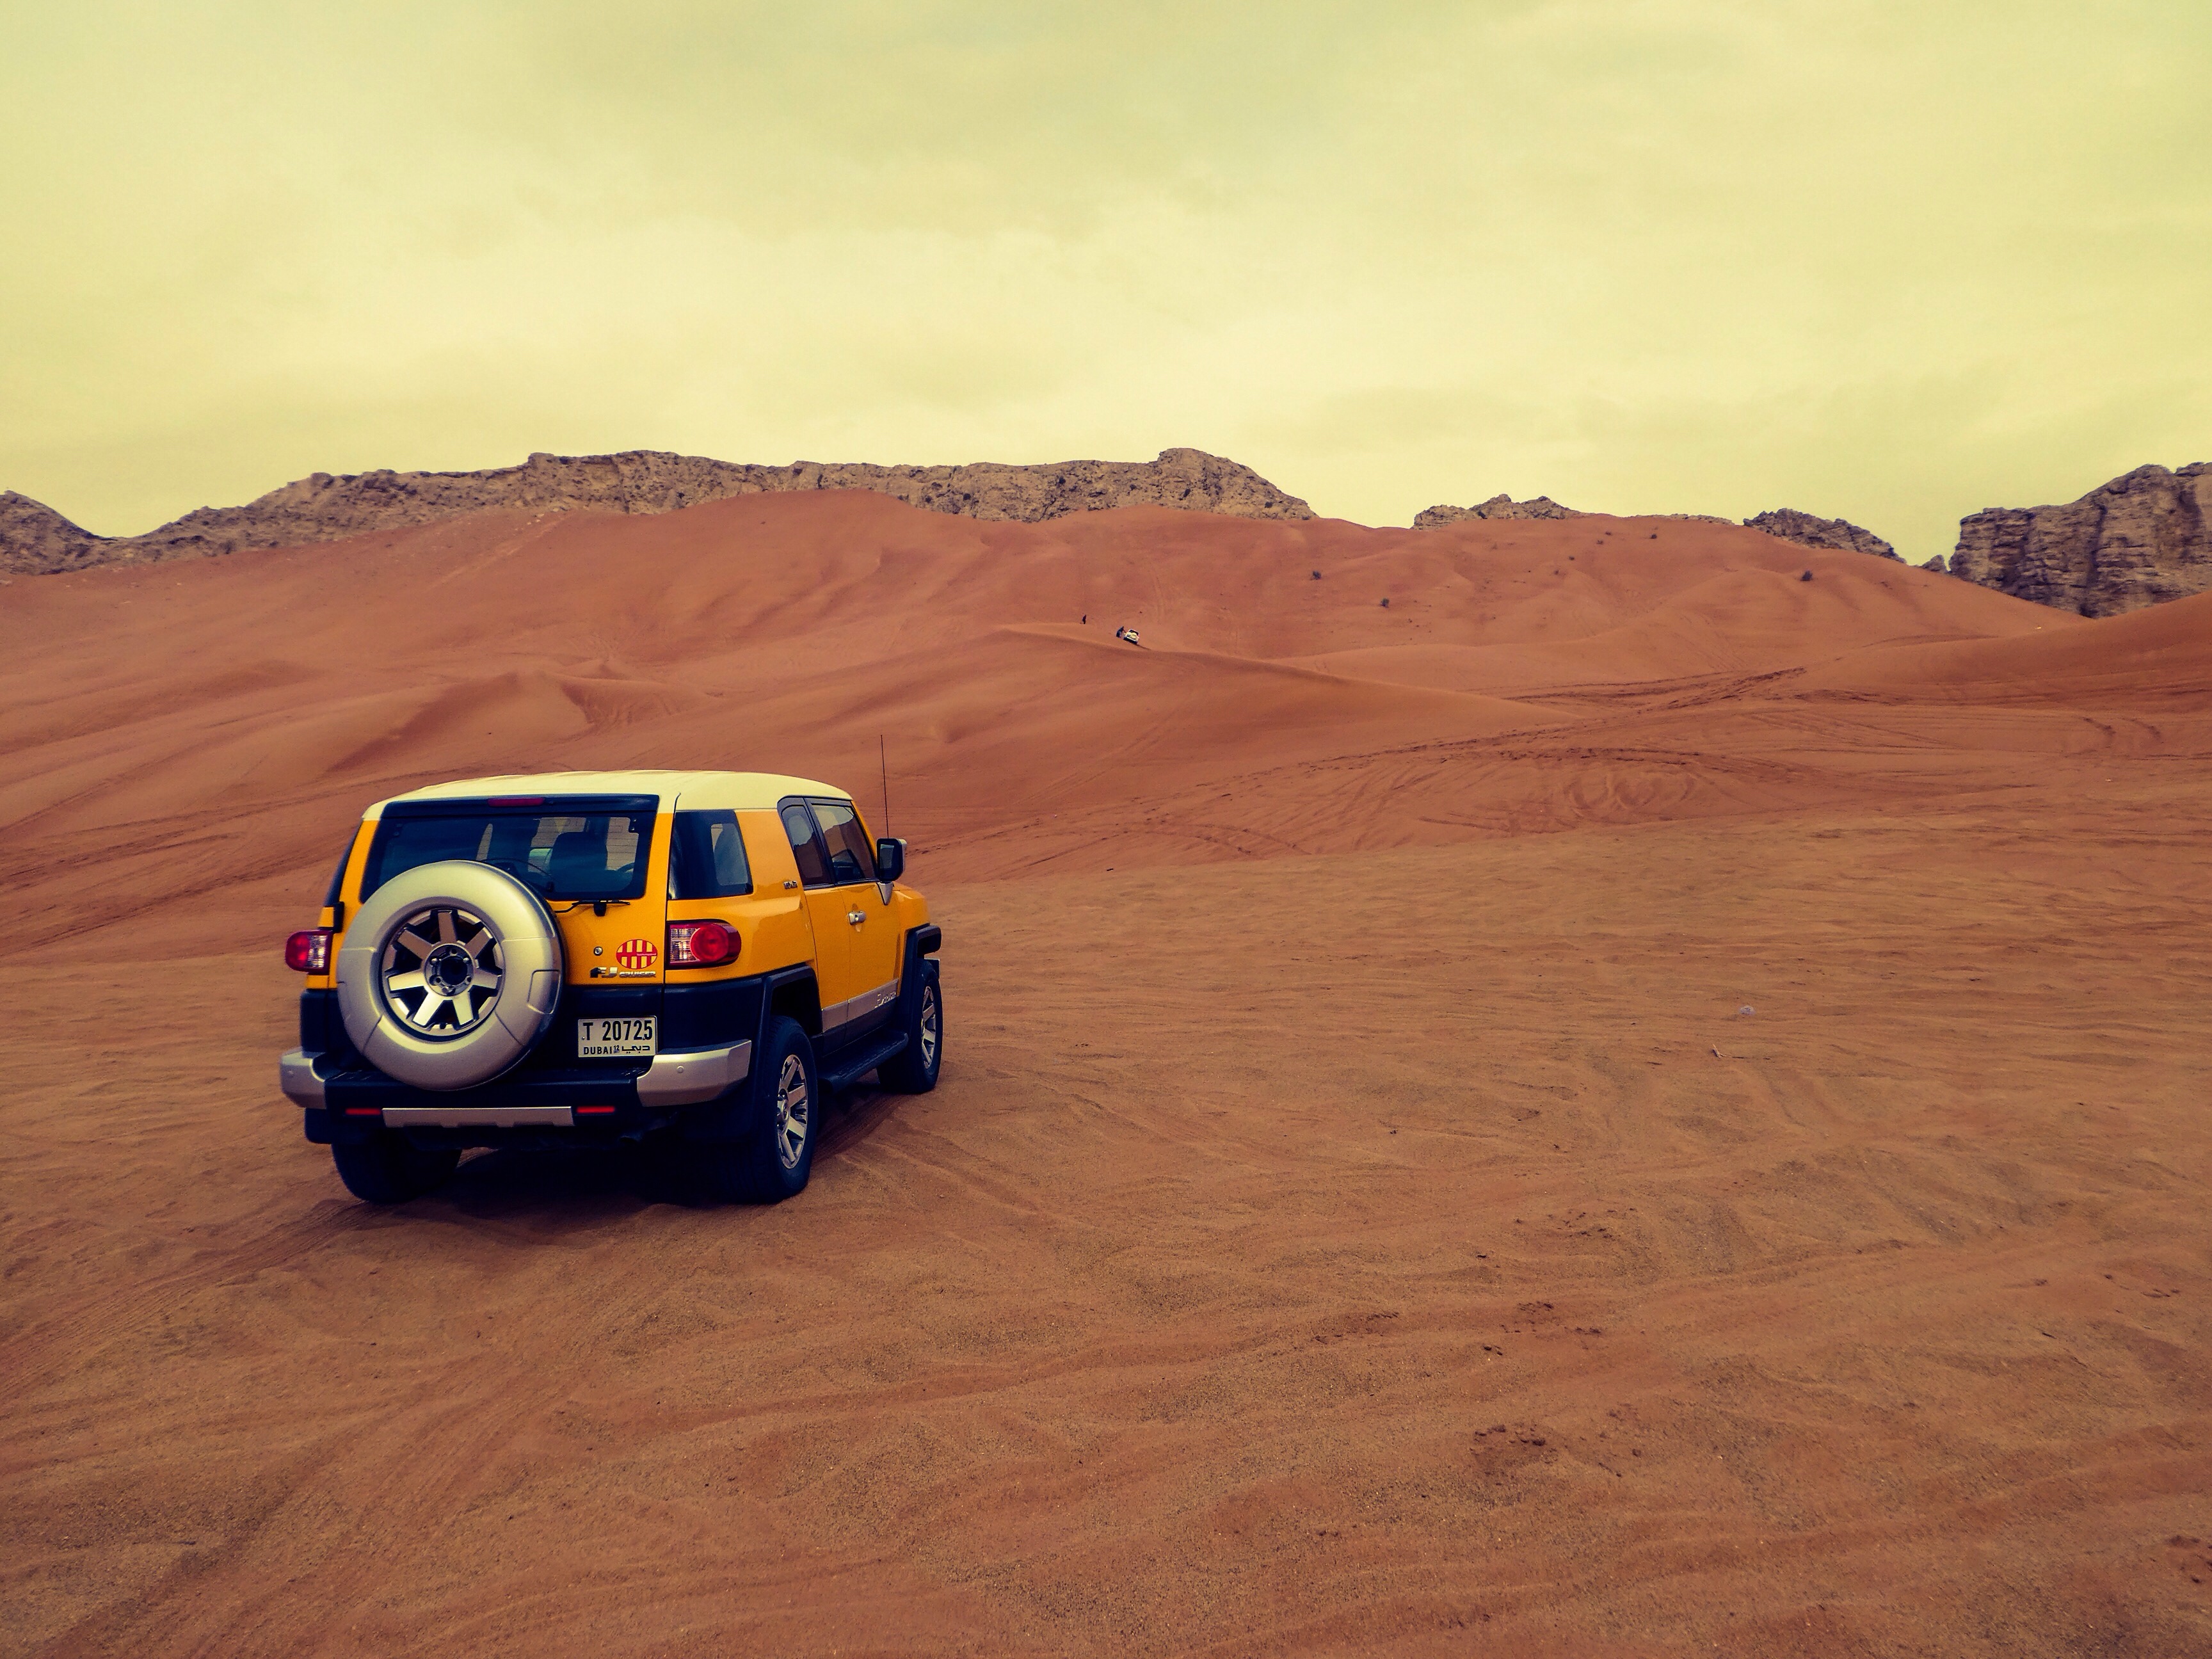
701 944
309 950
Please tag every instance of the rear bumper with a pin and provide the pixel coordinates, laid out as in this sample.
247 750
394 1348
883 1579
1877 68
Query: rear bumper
691 1076
344 1103
299 1076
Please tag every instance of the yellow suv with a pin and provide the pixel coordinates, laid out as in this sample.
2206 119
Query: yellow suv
689 960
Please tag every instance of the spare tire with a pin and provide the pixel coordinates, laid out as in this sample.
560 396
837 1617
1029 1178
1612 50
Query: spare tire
449 974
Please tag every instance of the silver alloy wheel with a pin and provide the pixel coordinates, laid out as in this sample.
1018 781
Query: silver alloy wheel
793 1110
930 1034
442 971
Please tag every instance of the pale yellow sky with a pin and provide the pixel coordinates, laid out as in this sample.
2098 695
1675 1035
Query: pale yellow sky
1891 261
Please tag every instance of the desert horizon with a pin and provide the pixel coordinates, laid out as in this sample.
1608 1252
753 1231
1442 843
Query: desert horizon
2141 539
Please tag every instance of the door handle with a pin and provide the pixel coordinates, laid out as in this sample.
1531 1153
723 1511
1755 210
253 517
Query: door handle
855 917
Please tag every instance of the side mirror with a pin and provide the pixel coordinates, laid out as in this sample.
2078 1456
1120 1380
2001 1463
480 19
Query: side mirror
890 859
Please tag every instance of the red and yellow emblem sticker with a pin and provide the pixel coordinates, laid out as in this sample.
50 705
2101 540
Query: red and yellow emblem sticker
637 953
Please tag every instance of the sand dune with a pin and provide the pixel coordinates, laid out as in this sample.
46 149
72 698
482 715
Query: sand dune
792 631
1355 1217
2161 656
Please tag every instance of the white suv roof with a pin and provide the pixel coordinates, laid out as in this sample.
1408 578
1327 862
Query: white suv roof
731 791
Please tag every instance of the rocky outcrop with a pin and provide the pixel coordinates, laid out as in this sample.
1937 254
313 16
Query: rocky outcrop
1808 530
2138 540
1936 565
322 508
34 538
1787 522
1498 507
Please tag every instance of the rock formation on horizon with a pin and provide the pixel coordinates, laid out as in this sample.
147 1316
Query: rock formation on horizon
35 538
1500 505
1809 529
1806 529
2144 537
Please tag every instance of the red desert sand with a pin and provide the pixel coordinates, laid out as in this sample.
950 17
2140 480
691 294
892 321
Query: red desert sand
1626 1102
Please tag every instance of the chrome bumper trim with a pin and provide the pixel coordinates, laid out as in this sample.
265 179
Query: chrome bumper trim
297 1076
692 1075
477 1117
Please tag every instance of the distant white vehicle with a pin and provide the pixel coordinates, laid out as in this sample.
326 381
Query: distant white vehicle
1128 633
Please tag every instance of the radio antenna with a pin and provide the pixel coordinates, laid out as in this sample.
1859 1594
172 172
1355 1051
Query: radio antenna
884 765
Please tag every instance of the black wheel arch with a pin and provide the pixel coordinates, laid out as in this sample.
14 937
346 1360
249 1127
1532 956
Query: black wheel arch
795 995
922 941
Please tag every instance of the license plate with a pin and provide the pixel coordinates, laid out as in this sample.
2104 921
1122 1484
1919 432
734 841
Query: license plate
616 1039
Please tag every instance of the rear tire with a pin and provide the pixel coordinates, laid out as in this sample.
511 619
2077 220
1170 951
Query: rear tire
386 1169
913 1071
773 1162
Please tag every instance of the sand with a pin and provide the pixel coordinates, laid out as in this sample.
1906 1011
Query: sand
1356 1216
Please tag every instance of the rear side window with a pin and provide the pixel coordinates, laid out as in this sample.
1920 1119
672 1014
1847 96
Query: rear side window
337 876
577 848
851 857
707 857
806 844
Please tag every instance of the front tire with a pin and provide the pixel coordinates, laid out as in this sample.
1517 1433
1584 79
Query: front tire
914 1070
775 1162
387 1169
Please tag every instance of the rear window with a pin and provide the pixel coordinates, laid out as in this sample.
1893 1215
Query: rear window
707 857
563 848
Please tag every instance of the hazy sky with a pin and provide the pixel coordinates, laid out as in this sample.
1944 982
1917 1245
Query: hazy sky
1890 260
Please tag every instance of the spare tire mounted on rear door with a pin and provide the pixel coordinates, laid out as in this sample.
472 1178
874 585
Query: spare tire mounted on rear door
449 974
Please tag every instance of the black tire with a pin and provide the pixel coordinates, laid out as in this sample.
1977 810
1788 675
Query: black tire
773 1162
386 1169
914 1070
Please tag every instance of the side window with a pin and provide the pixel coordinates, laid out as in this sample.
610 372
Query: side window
726 853
805 843
851 858
707 857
